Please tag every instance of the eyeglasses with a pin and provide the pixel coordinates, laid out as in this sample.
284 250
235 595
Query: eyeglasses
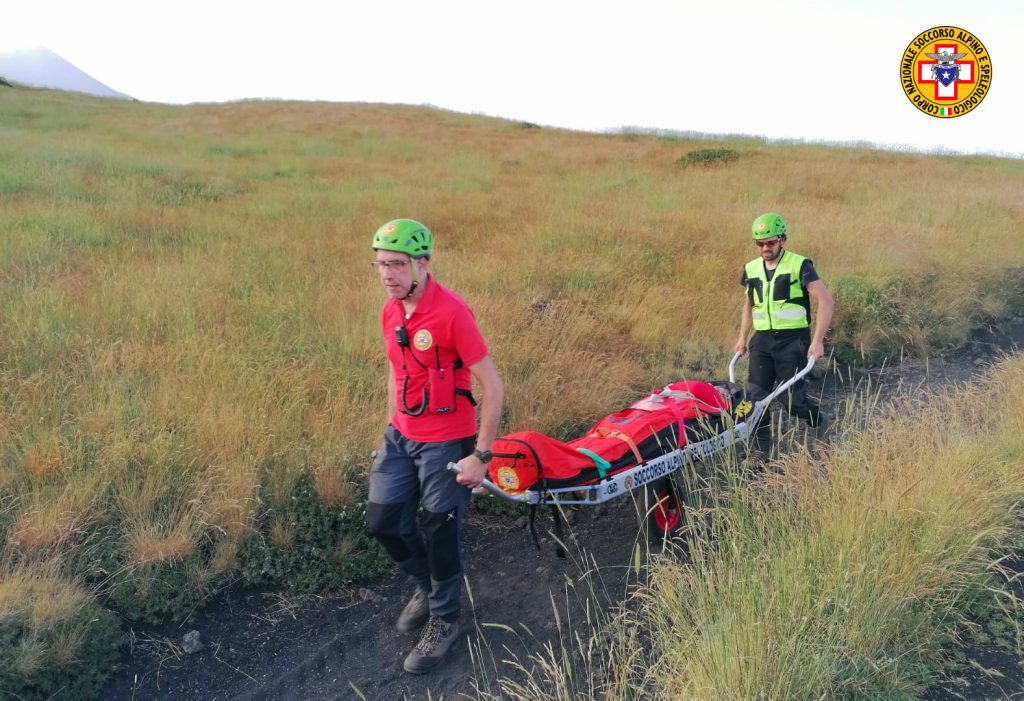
767 243
396 265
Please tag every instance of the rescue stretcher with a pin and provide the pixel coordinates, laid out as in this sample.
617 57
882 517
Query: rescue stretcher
731 426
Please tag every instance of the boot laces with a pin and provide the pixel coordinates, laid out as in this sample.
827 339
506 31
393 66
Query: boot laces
432 634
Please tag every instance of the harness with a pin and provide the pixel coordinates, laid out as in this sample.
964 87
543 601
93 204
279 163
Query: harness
436 377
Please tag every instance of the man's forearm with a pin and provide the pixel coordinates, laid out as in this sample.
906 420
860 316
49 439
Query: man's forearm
746 321
824 320
493 390
744 328
490 417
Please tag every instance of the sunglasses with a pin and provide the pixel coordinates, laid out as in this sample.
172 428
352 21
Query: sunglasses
768 242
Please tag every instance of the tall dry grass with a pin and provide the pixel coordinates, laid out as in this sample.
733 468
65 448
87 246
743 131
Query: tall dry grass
843 577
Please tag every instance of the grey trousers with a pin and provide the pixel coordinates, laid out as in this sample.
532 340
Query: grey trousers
405 476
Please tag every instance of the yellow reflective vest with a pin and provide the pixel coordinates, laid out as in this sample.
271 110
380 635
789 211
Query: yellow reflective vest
782 302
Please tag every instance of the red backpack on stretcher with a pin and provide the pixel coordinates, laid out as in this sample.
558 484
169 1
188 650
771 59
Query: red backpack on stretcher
657 424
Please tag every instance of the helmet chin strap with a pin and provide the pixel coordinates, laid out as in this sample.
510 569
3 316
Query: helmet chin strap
415 283
782 247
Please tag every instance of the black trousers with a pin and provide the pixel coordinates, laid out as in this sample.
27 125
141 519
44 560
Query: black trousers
775 356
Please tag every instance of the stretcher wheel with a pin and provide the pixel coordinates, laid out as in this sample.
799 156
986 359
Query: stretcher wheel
666 511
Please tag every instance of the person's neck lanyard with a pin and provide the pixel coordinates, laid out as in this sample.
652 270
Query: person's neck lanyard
402 339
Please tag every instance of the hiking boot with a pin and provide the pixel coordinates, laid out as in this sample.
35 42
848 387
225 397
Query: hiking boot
755 460
415 613
436 640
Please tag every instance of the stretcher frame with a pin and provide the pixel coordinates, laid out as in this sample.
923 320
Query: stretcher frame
654 469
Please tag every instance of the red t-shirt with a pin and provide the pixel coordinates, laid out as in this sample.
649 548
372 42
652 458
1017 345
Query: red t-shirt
441 328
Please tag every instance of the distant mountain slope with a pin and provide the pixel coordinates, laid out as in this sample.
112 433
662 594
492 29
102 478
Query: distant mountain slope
44 69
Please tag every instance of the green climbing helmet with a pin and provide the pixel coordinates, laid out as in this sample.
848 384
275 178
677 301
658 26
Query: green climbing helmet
404 236
768 226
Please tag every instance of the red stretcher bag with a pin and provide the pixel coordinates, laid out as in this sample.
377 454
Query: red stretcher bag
653 426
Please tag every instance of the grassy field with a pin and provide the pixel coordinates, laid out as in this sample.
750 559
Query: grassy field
191 375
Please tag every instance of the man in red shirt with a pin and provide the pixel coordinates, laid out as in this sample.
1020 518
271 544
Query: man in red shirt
434 350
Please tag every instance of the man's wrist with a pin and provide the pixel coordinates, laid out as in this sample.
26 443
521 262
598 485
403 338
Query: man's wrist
483 456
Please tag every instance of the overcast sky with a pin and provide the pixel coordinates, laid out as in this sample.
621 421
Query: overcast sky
780 68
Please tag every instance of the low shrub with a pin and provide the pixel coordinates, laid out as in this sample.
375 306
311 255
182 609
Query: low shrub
164 592
328 546
709 157
913 315
68 660
1011 285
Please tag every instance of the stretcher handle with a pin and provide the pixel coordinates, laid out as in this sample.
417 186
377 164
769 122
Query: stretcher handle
732 367
489 486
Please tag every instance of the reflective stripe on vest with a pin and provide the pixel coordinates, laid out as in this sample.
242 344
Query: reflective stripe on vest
782 308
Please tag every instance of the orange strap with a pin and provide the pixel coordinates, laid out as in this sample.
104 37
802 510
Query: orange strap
612 433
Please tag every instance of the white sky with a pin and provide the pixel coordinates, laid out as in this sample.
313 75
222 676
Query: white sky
779 68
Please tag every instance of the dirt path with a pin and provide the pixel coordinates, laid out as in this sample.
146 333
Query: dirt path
266 646
260 645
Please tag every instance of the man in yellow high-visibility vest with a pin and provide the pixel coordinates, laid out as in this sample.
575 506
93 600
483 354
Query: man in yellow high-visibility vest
780 286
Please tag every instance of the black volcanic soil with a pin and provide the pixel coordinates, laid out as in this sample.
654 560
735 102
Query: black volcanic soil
343 645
